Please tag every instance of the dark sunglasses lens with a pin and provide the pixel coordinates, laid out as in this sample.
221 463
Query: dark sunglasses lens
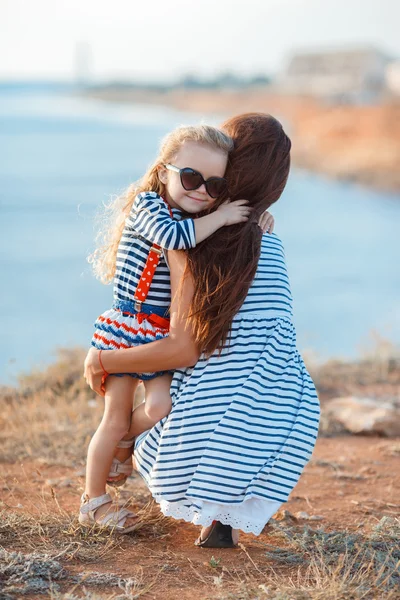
216 187
191 180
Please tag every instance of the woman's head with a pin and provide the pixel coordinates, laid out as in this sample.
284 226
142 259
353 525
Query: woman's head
202 148
224 265
260 162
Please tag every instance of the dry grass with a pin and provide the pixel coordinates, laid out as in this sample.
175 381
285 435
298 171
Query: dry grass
54 534
44 544
52 530
51 415
376 373
35 573
50 418
336 565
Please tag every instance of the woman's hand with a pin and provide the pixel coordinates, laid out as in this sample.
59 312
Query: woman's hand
93 372
266 222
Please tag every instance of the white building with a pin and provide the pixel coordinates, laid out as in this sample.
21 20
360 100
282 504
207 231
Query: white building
357 75
393 77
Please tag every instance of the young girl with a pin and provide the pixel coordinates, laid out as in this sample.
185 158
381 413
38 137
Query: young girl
187 177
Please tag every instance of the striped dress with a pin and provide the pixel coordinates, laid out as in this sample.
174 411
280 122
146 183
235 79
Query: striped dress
149 222
244 424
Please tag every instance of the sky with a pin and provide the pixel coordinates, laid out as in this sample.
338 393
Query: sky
166 39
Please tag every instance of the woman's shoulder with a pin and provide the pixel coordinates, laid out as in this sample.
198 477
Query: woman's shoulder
272 245
272 240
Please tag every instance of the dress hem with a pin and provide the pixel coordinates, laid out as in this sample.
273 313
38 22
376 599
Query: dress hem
197 518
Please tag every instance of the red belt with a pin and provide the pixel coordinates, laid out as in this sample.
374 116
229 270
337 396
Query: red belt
153 318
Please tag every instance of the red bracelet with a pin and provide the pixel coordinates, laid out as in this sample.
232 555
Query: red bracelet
101 364
105 374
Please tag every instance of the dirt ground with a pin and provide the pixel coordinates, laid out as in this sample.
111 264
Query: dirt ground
351 483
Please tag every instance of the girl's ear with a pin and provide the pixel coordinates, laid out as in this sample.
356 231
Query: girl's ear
162 174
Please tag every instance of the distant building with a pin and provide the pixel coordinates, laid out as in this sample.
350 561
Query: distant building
357 75
83 64
393 77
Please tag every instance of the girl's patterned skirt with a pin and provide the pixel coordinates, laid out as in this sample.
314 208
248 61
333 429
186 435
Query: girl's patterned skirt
125 327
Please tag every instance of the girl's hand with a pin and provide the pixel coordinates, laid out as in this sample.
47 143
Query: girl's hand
93 372
266 222
234 212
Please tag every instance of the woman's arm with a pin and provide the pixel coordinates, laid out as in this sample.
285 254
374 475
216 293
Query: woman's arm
173 352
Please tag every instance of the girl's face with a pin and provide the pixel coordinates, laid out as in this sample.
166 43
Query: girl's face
208 161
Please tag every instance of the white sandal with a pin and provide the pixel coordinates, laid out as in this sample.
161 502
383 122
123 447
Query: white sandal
121 468
112 519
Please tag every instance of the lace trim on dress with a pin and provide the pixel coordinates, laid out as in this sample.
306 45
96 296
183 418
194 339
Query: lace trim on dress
235 516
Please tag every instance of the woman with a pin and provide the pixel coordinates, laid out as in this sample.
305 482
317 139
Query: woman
245 418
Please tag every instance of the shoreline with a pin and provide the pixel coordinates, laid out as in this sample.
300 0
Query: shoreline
358 144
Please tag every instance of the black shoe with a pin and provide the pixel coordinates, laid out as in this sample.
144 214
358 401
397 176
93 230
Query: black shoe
220 536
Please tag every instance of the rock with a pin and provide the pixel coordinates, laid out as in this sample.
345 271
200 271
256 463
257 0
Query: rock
368 470
349 476
284 515
65 483
60 482
364 415
52 482
304 515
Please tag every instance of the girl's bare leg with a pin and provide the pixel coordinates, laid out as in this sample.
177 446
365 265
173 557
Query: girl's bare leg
140 422
113 427
156 406
157 403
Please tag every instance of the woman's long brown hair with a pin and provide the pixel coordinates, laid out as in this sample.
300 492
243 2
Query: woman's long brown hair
224 265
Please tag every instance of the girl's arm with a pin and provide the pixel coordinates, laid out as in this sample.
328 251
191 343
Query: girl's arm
228 213
150 217
176 351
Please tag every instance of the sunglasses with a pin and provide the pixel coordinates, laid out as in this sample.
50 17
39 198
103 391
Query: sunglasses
192 180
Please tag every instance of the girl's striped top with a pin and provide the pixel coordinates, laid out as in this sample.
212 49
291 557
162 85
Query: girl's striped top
150 223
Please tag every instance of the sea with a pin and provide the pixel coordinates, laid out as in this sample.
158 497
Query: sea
62 155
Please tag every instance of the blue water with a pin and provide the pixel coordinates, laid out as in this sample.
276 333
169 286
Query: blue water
61 156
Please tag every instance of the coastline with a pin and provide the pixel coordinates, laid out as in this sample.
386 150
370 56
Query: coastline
344 142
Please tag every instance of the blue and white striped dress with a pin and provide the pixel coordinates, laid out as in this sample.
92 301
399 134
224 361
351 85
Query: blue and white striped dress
244 424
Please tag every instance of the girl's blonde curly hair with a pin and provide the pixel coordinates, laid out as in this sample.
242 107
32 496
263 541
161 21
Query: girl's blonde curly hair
112 221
